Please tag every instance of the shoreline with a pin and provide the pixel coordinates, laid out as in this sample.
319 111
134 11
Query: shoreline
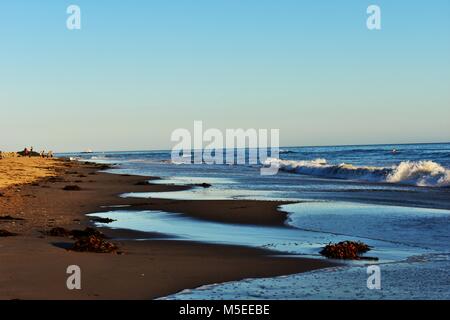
33 266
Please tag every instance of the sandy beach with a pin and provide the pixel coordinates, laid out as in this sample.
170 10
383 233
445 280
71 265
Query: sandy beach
33 265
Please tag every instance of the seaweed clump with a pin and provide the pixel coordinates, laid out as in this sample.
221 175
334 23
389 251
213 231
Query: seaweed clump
87 240
10 218
94 244
102 220
87 233
72 188
349 250
4 233
203 185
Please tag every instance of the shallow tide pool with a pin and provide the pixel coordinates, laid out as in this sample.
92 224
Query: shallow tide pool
411 243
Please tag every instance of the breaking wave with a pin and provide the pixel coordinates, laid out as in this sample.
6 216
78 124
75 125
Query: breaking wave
282 151
419 173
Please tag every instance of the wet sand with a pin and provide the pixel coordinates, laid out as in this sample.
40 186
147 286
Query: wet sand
33 266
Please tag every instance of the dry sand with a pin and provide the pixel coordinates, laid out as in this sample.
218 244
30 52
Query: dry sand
22 170
33 266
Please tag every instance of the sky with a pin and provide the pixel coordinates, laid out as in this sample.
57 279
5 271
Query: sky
138 70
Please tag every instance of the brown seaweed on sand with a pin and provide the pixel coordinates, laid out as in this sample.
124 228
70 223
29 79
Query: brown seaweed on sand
10 218
104 166
72 188
62 232
4 233
87 233
203 185
347 250
87 240
93 244
142 183
102 220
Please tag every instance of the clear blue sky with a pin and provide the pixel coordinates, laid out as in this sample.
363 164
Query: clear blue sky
140 69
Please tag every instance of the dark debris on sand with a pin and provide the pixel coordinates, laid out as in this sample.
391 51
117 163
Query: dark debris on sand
93 244
10 218
104 166
62 232
72 188
203 185
102 220
87 240
142 183
350 250
87 233
4 233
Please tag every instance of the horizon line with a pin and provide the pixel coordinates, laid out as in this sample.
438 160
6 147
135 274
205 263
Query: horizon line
286 146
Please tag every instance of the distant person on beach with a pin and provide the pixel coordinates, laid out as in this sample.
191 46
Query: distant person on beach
31 151
26 152
50 154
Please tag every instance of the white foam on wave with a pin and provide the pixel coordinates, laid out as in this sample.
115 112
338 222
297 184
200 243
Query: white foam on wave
97 158
420 173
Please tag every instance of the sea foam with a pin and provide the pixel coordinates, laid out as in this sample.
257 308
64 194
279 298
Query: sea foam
420 173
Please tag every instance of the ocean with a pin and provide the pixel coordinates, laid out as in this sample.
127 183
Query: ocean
394 197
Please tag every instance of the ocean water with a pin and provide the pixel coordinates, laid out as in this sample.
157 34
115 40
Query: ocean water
409 165
413 175
396 198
